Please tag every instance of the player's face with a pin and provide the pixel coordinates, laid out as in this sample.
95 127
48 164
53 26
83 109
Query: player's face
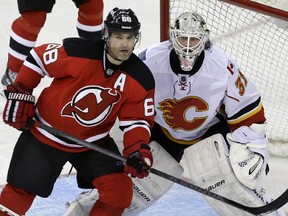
121 45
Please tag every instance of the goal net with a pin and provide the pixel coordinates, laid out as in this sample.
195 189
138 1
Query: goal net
255 34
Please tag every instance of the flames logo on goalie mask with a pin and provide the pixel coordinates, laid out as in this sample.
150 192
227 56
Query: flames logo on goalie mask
91 105
187 114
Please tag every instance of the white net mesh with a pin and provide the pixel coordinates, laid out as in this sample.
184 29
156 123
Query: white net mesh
260 48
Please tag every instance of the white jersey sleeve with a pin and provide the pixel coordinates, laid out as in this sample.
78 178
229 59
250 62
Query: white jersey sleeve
242 99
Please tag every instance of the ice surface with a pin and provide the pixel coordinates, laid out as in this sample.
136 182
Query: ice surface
179 201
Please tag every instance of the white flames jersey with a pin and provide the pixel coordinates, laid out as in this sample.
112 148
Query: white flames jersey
187 106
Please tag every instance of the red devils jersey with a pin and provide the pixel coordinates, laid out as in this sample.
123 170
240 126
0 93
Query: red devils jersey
86 95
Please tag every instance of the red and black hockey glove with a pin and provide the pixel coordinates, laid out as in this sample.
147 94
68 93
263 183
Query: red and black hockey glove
139 160
19 107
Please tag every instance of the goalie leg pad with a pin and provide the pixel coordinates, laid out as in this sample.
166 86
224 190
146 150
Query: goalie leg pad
146 191
209 167
83 204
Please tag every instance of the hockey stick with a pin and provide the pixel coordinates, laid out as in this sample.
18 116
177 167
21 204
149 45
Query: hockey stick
265 209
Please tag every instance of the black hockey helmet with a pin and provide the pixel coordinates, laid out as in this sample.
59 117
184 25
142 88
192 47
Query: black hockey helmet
121 20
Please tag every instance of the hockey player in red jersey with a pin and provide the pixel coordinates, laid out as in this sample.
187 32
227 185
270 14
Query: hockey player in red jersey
94 83
25 29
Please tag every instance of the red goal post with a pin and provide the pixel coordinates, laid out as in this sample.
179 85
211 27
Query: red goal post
255 34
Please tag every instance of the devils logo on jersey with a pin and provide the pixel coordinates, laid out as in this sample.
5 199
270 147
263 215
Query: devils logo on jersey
91 105
179 114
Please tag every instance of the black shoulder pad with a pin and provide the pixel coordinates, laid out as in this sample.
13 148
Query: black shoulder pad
84 48
139 71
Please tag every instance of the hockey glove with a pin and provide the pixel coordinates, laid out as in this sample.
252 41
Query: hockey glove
19 107
249 154
139 160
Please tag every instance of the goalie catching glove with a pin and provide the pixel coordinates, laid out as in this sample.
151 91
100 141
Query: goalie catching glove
19 107
139 160
249 154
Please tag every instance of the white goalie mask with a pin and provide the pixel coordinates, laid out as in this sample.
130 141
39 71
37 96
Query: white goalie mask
189 36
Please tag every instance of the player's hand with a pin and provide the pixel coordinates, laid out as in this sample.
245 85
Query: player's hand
19 107
249 154
139 160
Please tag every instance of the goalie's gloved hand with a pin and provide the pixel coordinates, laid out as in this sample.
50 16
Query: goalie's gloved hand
139 160
19 107
249 154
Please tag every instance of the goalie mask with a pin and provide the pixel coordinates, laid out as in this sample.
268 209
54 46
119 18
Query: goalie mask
121 20
189 36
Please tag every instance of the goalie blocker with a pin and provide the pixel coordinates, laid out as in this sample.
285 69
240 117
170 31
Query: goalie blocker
145 191
212 170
